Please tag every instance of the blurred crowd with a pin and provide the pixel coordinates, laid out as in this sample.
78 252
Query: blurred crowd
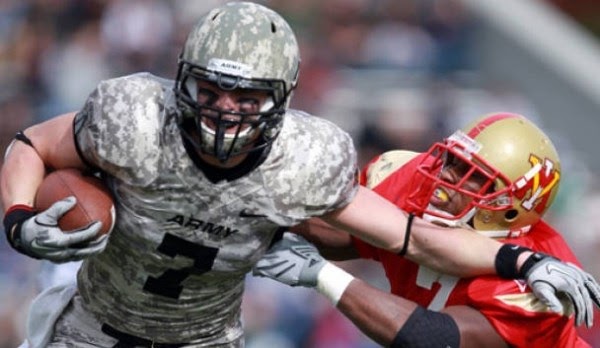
394 74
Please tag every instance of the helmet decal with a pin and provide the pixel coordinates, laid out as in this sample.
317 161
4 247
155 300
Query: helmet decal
538 183
229 67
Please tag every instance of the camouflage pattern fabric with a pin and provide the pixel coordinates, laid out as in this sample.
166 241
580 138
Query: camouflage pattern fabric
249 42
175 263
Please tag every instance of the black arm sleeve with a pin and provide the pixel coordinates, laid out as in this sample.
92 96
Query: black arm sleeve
427 329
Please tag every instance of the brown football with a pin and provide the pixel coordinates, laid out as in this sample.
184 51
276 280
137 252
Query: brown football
94 200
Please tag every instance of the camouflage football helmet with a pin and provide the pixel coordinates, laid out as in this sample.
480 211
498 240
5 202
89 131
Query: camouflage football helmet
239 45
520 167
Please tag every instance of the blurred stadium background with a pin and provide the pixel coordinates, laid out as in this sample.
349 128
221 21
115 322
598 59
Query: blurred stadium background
395 74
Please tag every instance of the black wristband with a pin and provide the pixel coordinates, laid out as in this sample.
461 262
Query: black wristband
13 218
402 252
531 261
506 261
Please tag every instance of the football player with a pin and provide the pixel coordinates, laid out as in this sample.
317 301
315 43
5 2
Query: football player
498 176
205 171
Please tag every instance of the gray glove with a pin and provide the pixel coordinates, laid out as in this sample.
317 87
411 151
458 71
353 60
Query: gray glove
549 277
41 237
292 261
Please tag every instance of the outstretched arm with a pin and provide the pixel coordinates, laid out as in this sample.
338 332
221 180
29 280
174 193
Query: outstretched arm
546 276
377 221
394 321
387 319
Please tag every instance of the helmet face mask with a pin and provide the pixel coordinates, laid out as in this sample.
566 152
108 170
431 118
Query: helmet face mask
206 125
514 165
237 47
473 179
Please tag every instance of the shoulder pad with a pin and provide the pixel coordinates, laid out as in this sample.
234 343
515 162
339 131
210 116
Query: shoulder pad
386 164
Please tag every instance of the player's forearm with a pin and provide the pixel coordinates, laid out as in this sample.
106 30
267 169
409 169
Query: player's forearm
457 252
376 313
20 176
452 251
384 223
51 145
389 320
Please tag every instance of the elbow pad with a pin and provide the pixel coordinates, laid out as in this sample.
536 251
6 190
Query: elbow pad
426 329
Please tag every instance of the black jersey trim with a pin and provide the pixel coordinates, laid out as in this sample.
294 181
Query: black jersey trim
77 125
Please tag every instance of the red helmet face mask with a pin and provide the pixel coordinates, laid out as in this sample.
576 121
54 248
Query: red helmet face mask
472 178
498 176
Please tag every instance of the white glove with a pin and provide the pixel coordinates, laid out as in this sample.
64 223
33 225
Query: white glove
40 237
549 277
292 261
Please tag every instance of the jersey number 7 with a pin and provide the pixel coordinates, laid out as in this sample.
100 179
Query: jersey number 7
426 277
168 284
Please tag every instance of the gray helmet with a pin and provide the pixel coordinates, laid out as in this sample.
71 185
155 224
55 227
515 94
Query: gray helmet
239 45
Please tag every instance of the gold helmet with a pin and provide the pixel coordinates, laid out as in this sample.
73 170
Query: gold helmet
518 162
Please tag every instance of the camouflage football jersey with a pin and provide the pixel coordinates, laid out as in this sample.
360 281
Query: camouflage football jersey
174 267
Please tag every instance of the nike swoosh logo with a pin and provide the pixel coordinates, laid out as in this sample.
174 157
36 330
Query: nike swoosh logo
550 267
245 213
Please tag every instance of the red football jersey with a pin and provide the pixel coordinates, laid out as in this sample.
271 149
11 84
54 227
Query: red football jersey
509 305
